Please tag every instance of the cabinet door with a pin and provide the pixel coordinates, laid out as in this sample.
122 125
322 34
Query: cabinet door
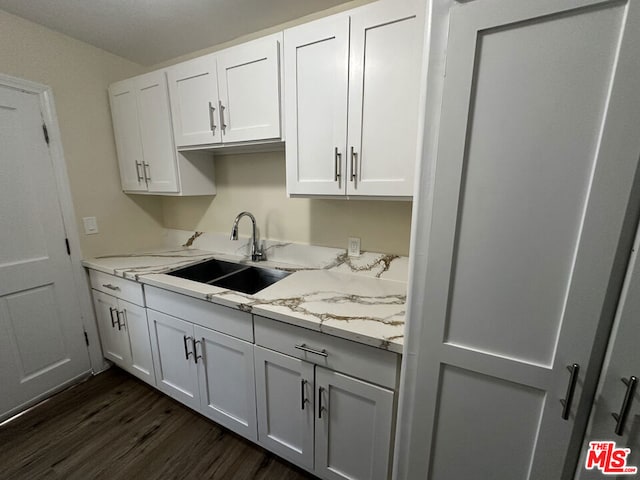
227 385
172 347
193 89
384 87
614 395
316 63
126 129
156 133
284 392
249 82
115 344
353 428
135 319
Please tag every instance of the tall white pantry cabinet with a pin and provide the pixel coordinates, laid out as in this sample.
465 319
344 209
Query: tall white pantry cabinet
520 254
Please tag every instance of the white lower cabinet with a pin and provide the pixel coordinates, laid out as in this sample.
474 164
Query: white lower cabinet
353 427
206 370
332 424
125 335
285 400
176 371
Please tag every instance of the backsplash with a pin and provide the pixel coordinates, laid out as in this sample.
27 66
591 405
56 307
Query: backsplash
256 182
299 256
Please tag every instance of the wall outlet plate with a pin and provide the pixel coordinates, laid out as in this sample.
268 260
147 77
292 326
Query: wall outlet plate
354 247
90 225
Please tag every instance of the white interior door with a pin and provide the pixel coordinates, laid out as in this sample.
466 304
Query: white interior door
227 385
249 83
172 348
285 398
316 70
353 428
193 88
616 383
41 336
384 88
537 155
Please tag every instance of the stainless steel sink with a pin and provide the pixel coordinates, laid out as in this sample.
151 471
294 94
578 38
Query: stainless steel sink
232 276
251 279
207 272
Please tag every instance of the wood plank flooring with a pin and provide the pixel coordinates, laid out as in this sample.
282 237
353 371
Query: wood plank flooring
116 427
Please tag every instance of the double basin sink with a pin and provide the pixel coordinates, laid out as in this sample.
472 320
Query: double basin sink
230 275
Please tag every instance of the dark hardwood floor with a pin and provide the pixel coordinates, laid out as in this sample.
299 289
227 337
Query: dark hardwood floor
116 427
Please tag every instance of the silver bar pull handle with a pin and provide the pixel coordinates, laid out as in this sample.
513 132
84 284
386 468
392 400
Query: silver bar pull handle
110 286
140 177
337 165
303 398
195 343
223 125
304 348
147 171
621 418
113 320
185 339
120 324
354 165
212 124
320 407
568 398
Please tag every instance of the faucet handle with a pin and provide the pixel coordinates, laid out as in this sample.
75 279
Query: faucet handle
259 255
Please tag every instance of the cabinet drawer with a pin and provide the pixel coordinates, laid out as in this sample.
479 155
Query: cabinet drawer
118 287
361 361
209 315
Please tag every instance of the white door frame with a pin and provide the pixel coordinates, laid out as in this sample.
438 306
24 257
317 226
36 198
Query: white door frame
82 288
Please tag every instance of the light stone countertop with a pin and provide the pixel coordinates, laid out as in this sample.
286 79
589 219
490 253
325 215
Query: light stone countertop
340 296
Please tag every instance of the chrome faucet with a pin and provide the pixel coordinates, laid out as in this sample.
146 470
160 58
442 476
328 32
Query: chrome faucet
257 253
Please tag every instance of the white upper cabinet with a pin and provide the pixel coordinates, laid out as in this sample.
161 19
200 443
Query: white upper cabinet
316 58
249 82
371 150
193 88
154 116
124 113
142 124
231 96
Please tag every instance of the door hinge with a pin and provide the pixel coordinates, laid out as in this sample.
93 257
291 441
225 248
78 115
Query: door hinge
86 338
46 133
66 242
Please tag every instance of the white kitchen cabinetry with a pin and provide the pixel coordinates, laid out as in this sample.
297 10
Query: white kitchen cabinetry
367 61
210 371
124 332
232 96
147 156
332 424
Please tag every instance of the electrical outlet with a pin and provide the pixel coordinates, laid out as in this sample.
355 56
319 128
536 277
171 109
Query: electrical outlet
90 225
354 247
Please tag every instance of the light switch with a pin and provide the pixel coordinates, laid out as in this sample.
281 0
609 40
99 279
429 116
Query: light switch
90 225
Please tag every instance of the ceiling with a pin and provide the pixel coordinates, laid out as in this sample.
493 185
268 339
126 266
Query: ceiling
152 31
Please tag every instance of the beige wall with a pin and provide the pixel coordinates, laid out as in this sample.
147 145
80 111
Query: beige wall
79 75
256 182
